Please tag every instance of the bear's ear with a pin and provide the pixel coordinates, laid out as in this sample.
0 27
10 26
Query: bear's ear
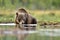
17 14
22 10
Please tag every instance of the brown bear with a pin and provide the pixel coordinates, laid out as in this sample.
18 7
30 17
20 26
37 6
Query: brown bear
22 17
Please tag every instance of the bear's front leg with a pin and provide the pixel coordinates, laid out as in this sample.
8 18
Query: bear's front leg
21 26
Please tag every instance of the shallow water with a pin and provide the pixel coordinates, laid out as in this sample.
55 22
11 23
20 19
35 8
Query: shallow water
8 32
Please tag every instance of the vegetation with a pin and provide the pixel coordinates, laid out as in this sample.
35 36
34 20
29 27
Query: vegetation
30 4
47 17
7 18
8 8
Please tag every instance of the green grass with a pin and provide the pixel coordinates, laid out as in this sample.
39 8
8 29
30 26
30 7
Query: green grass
9 15
43 17
47 17
7 18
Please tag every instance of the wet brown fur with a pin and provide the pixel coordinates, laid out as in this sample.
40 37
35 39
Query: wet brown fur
28 18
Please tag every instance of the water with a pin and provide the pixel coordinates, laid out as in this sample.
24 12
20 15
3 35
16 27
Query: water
9 32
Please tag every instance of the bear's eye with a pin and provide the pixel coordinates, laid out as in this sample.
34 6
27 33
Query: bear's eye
17 14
